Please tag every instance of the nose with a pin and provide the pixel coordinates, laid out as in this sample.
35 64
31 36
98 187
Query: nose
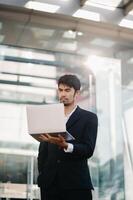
63 94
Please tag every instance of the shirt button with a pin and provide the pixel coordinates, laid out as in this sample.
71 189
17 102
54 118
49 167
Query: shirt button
58 161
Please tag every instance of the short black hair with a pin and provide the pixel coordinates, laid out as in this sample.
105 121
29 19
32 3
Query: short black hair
70 80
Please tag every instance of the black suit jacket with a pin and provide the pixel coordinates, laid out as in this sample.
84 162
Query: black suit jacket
70 170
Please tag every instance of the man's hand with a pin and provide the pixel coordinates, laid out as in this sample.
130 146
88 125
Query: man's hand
58 140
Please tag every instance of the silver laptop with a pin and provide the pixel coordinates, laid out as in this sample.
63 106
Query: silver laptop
49 119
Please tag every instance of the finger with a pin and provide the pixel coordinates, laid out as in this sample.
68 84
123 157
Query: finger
47 135
51 139
42 137
61 138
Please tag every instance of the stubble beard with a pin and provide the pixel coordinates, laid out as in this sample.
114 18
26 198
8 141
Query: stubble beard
65 103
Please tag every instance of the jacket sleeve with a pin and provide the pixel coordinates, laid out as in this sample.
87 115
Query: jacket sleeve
86 147
42 155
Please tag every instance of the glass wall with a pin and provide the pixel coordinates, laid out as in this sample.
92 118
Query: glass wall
102 80
127 115
25 83
110 138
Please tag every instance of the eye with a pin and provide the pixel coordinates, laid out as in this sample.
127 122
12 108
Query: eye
59 89
67 90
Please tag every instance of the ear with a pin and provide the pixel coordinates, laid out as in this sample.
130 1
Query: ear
77 93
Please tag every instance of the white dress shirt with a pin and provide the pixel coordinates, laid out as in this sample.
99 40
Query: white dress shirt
70 146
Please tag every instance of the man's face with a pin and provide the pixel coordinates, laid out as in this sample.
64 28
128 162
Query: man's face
66 94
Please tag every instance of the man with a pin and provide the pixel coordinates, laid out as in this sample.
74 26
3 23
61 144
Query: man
63 168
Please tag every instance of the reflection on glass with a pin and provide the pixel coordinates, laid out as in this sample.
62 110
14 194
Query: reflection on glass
110 184
101 93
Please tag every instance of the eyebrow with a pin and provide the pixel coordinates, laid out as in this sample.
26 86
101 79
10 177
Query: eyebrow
68 88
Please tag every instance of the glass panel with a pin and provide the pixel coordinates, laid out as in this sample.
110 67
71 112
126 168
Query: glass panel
127 116
109 154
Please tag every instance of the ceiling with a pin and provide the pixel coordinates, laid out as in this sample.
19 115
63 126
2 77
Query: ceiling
61 41
60 33
119 8
66 34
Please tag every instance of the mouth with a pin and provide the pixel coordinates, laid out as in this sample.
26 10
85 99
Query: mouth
63 100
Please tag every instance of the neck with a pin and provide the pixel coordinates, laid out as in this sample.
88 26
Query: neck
68 109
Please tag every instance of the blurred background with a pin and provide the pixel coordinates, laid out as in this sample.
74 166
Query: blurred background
44 39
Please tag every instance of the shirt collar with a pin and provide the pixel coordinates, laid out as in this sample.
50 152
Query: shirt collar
68 116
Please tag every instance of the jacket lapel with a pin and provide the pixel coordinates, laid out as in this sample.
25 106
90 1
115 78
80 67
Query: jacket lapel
74 117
